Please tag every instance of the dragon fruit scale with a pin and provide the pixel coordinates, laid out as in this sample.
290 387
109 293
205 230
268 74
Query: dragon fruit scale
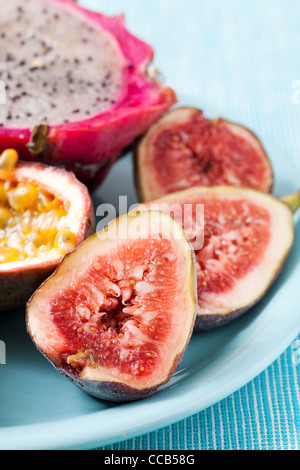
76 82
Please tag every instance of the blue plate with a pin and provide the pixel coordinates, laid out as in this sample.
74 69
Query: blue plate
39 409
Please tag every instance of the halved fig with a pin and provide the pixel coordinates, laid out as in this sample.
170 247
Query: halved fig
241 239
117 315
77 84
184 149
45 213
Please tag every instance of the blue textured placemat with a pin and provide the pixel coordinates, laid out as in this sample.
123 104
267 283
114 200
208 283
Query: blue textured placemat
241 59
263 415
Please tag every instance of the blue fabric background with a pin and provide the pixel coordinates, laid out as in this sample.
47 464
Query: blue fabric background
239 59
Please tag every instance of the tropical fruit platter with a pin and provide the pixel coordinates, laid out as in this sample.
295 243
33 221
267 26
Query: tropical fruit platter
114 310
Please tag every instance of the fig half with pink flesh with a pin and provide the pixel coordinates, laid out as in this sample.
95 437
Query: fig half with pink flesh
241 238
184 149
117 315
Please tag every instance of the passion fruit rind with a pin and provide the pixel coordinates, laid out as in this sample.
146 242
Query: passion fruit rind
118 369
20 279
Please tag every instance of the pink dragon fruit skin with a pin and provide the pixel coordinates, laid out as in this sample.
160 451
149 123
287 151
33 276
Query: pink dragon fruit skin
91 145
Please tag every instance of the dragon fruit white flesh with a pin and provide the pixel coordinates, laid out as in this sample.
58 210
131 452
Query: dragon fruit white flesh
76 83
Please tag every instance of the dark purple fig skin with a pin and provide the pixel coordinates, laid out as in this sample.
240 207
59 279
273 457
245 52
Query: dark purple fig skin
116 391
213 322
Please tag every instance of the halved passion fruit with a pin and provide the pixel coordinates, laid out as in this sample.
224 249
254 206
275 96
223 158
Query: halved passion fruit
45 213
117 315
241 239
184 149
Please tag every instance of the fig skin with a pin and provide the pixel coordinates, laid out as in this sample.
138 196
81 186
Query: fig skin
216 321
117 389
146 188
18 281
285 208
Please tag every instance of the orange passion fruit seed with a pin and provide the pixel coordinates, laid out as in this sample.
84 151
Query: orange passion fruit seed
65 241
8 159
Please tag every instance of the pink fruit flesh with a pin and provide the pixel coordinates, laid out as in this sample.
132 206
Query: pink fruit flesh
236 236
128 329
184 149
91 111
118 314
245 238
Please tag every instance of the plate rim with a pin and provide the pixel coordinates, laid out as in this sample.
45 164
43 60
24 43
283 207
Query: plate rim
63 434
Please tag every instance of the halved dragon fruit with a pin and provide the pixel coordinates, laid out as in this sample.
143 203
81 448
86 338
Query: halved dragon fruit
77 86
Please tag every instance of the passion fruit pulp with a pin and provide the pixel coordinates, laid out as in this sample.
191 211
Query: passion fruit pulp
117 315
45 213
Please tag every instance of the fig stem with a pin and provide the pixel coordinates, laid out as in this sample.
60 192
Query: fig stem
293 201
